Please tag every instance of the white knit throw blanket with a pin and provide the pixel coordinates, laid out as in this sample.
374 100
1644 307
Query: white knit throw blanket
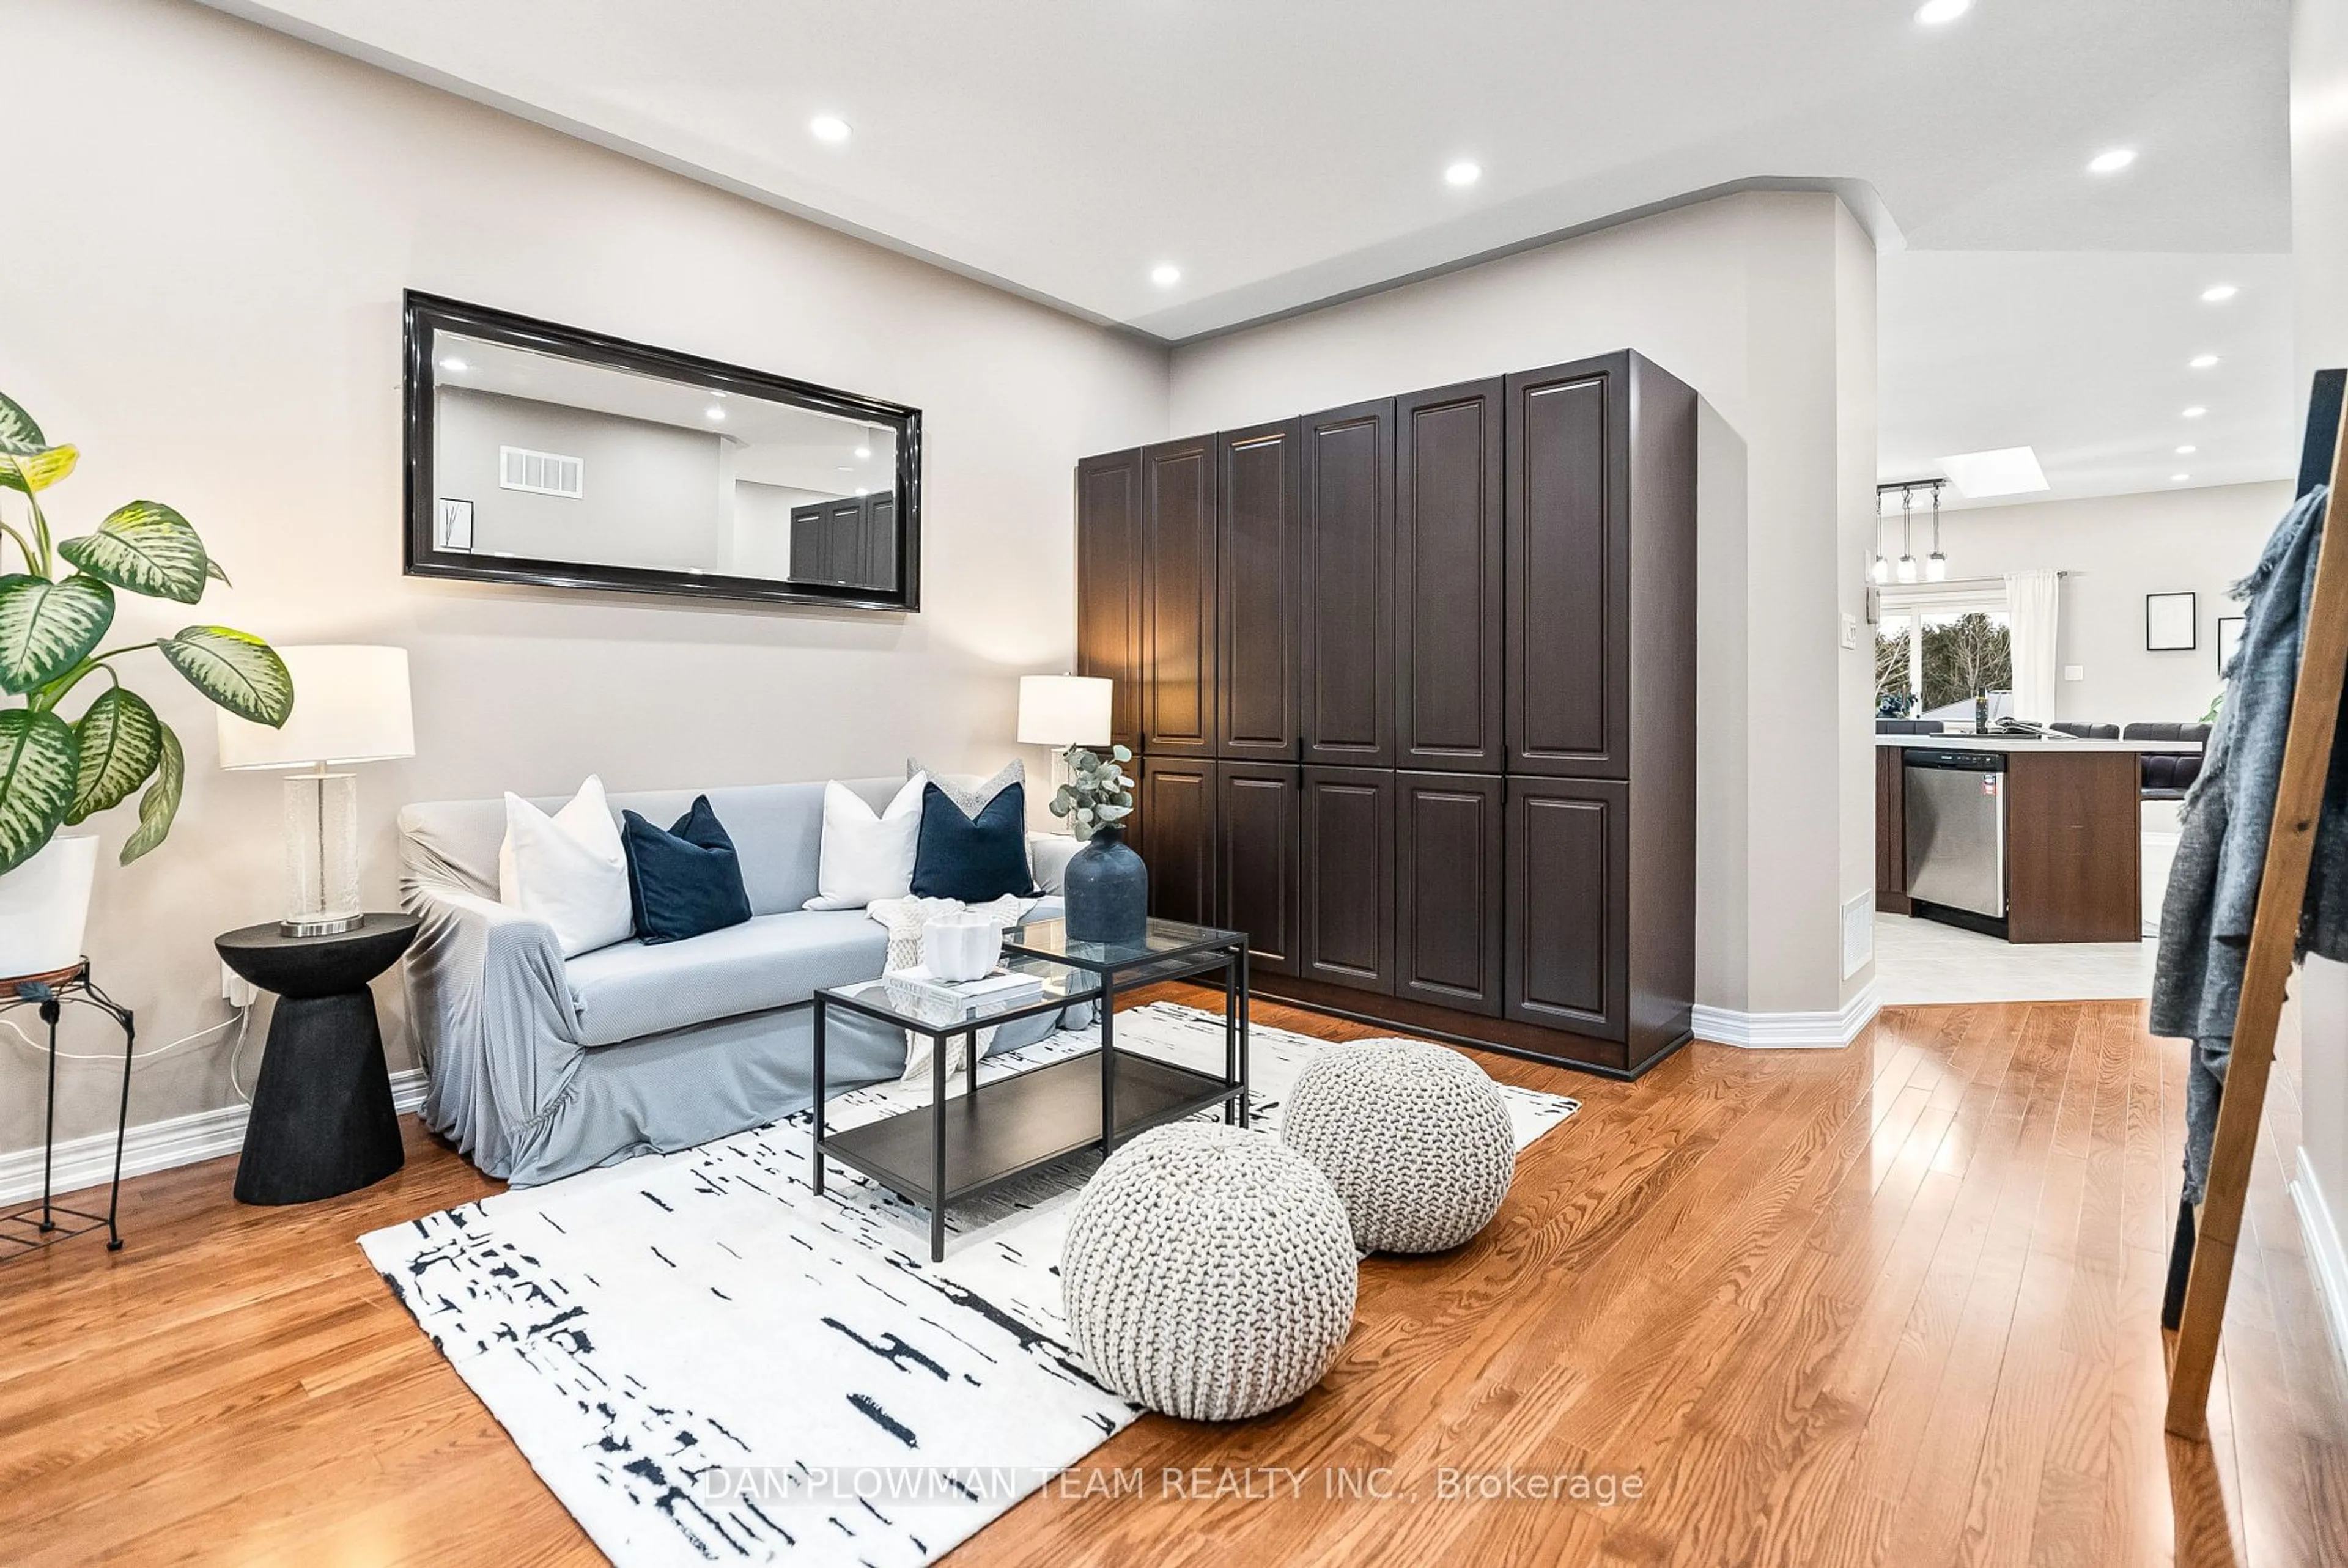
903 918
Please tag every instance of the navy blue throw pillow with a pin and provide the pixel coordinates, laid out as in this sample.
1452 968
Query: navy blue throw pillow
685 882
976 859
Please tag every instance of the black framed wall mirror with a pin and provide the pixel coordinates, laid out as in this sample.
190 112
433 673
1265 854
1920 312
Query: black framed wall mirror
554 457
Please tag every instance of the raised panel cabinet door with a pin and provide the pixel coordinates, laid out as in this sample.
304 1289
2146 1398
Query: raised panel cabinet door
881 542
1450 552
1259 818
844 542
1109 584
1447 889
1178 596
1348 670
1178 823
807 544
1258 489
1568 573
1567 864
1347 878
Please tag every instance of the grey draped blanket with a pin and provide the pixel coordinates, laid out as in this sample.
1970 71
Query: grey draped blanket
2213 886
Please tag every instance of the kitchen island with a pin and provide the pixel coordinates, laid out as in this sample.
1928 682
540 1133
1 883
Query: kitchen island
2030 840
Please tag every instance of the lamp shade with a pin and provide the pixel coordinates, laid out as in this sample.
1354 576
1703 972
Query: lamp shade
1064 710
350 706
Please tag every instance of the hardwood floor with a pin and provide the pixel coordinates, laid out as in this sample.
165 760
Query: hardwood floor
1894 1304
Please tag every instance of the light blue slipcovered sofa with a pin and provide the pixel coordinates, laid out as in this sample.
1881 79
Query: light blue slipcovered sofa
540 1066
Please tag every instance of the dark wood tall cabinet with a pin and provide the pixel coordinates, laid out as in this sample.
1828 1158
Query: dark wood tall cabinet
1259 827
1176 821
1258 487
1414 682
1178 598
1108 585
1449 560
1348 608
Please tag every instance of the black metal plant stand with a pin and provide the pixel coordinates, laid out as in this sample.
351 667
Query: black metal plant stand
34 1225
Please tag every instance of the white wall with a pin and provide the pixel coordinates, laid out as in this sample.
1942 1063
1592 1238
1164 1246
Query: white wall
2116 549
207 301
650 493
1765 304
2319 202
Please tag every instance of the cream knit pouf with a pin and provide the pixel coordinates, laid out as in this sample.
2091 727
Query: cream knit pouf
1414 1138
1208 1272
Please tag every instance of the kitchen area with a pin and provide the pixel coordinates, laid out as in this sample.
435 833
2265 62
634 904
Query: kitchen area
2036 859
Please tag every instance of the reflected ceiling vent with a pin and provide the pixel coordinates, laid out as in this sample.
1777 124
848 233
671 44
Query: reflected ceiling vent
542 473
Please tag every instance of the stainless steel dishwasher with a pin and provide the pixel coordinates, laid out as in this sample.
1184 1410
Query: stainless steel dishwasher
1956 835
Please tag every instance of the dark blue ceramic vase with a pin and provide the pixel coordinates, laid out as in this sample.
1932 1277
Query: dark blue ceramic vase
1108 890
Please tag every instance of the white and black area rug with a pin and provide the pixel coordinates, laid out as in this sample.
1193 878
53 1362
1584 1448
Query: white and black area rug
708 1363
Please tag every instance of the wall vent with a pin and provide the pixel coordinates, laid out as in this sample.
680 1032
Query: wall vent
542 473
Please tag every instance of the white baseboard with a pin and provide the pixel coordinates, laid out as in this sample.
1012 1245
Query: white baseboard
1789 1030
2326 1259
82 1163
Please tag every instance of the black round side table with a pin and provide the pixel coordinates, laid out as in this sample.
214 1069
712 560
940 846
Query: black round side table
322 1123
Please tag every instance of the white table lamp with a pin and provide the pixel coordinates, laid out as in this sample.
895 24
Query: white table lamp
350 706
1061 711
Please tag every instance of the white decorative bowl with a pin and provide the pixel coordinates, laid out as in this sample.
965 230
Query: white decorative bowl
961 946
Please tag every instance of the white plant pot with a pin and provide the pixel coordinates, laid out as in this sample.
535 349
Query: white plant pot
961 946
45 905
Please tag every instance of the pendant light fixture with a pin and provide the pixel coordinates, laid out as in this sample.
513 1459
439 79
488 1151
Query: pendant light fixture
1907 519
1879 570
1936 565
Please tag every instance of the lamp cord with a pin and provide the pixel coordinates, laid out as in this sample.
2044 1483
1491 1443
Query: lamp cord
244 1017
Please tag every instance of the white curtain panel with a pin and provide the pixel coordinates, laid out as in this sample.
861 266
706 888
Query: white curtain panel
2034 603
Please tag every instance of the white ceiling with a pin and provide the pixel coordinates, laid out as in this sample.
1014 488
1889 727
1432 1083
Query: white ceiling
1285 155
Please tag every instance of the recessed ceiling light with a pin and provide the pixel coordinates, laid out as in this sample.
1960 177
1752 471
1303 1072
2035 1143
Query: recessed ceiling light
2202 361
713 413
844 468
829 127
2008 471
2218 294
2196 412
1464 173
864 452
1166 275
1939 13
2111 162
453 365
2179 478
2187 451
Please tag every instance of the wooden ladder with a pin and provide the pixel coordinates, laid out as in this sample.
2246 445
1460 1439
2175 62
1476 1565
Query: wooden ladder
2274 933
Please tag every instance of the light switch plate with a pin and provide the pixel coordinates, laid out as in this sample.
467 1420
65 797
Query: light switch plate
2074 672
1849 630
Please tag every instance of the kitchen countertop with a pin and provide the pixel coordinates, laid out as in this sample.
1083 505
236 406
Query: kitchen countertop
2025 744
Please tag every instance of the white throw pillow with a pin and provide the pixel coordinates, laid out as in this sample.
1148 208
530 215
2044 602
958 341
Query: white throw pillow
568 870
867 856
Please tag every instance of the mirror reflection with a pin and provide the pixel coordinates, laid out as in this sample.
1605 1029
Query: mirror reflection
539 457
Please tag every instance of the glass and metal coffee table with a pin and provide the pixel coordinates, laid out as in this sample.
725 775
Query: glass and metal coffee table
949 1150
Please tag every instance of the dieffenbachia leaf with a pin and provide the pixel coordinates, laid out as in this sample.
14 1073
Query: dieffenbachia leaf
38 756
147 548
121 742
37 472
19 435
234 669
46 626
160 804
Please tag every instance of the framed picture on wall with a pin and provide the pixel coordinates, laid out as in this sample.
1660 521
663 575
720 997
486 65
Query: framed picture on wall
2171 624
453 521
2229 639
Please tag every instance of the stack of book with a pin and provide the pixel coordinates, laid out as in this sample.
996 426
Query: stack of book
943 1001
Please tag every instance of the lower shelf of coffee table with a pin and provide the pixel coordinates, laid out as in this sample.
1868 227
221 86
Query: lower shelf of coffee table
1016 1124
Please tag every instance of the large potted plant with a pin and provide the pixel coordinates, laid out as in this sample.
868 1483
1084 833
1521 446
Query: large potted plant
55 771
